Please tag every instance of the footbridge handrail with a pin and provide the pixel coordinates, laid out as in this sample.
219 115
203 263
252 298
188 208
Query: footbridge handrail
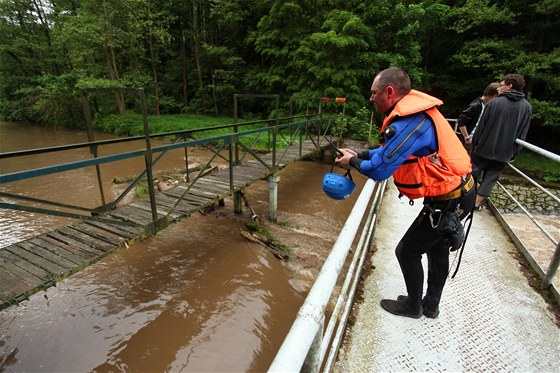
286 131
552 267
307 343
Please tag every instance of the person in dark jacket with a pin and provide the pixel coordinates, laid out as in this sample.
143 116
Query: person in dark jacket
469 118
504 120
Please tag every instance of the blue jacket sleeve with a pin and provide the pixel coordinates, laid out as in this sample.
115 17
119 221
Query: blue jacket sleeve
414 135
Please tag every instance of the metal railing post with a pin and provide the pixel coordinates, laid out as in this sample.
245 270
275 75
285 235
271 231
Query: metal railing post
552 268
93 148
235 129
148 156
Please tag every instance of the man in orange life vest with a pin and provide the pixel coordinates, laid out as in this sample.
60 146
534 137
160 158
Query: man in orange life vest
427 160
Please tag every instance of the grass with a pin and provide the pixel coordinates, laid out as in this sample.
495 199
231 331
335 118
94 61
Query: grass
132 124
538 166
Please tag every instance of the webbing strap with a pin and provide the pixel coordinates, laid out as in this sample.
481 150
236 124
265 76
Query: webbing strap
470 218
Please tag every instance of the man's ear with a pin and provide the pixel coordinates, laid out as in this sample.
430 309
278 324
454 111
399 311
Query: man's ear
390 91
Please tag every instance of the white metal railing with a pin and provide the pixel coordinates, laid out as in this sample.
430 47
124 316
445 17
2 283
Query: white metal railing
307 342
555 261
312 347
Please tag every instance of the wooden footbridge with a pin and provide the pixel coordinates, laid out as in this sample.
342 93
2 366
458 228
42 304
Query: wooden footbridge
37 263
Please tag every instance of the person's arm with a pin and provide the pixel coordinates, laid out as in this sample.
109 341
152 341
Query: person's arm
468 116
413 135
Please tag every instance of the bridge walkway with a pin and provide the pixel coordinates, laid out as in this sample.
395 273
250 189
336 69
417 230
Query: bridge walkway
490 319
38 263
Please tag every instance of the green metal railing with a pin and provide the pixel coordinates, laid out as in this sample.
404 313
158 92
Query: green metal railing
240 145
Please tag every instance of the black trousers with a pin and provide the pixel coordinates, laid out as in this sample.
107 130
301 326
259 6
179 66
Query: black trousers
422 238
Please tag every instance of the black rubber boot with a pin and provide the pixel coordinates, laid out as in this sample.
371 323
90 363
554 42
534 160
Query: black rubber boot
401 308
430 306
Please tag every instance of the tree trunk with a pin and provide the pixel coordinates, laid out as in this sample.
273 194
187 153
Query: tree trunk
110 59
153 61
196 48
185 67
44 23
214 94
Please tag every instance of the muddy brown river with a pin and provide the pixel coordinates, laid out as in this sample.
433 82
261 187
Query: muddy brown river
196 297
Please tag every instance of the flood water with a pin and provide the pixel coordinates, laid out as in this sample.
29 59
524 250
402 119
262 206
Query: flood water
195 297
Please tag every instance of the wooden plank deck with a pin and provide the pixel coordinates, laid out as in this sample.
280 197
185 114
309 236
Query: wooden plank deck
38 263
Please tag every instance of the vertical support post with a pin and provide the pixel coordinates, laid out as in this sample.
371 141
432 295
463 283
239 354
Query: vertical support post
552 268
274 134
236 196
148 156
312 363
342 124
320 123
187 178
93 148
237 202
273 181
370 128
235 129
301 129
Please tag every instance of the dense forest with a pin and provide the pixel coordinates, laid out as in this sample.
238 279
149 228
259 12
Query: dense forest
191 56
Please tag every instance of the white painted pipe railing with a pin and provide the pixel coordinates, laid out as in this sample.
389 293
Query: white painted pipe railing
550 273
304 347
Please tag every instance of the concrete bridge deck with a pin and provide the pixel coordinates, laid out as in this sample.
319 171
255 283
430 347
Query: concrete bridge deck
491 319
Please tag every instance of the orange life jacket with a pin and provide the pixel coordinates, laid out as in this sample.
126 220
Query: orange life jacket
440 172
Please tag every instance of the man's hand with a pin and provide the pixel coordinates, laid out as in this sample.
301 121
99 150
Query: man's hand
344 160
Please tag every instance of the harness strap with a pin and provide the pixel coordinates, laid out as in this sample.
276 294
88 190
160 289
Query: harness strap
470 218
465 186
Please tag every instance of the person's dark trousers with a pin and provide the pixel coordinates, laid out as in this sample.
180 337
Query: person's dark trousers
486 172
421 237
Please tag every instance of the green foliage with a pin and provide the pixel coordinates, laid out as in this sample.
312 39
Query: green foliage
538 166
476 14
126 124
547 112
132 124
271 240
553 177
360 126
191 57
141 190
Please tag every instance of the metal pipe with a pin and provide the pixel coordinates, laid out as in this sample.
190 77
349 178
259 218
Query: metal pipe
534 183
361 257
543 229
294 349
536 149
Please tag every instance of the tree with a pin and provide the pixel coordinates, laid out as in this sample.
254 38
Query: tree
193 55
